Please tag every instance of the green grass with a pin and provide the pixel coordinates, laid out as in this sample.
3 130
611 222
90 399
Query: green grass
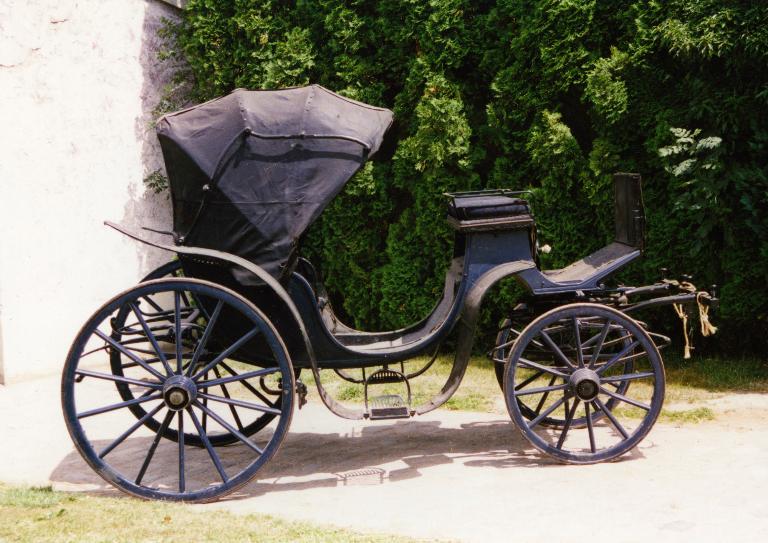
478 391
41 514
689 383
716 374
701 379
698 414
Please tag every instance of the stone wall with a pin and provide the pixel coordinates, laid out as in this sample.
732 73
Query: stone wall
78 83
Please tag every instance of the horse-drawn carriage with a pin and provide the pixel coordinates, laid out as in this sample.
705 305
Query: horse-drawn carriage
206 351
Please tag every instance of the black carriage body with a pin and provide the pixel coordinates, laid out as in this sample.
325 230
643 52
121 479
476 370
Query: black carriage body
339 346
495 236
250 172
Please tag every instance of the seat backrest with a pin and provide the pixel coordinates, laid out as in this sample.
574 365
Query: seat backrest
629 210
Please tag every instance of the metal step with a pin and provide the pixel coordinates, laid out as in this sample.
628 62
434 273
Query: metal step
384 376
389 406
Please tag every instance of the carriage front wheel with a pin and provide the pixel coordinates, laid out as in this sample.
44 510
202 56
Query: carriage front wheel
169 368
607 350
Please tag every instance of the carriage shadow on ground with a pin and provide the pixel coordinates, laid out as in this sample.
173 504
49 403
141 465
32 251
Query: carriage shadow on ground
363 454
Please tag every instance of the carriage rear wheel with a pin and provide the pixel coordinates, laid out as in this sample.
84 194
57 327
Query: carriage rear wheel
159 309
174 382
542 381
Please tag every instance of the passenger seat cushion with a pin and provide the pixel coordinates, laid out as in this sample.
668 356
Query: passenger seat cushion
486 207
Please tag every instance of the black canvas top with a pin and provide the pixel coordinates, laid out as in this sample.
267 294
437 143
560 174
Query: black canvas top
250 171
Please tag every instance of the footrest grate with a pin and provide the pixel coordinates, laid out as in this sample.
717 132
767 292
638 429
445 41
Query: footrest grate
389 406
386 376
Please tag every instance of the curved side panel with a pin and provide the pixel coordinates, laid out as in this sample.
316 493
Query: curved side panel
329 402
467 325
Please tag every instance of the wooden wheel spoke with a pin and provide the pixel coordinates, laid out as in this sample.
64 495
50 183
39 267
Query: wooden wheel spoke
599 345
236 377
177 330
529 380
536 366
555 349
590 429
118 379
625 399
129 354
628 377
141 399
250 444
541 390
153 447
204 340
240 403
614 421
122 437
182 479
207 443
577 338
205 415
231 407
617 357
568 420
228 351
549 410
151 336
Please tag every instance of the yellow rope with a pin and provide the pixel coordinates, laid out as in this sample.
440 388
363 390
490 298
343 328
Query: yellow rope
707 329
686 286
680 310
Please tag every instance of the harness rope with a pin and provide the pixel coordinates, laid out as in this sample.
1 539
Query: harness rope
680 310
707 329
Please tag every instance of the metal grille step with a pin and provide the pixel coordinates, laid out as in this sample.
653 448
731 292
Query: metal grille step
388 406
385 376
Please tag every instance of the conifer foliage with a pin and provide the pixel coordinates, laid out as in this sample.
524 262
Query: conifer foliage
550 95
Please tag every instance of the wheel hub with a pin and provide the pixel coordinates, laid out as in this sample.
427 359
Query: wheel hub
179 392
585 383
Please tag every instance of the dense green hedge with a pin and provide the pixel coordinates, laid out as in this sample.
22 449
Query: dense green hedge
553 95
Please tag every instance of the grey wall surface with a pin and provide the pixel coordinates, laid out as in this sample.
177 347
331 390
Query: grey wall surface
78 83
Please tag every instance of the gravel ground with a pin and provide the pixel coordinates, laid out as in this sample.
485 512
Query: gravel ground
461 476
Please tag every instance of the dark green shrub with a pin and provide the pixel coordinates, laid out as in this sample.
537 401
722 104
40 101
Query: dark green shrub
552 95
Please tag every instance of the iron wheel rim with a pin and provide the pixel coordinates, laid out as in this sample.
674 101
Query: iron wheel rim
135 485
647 366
